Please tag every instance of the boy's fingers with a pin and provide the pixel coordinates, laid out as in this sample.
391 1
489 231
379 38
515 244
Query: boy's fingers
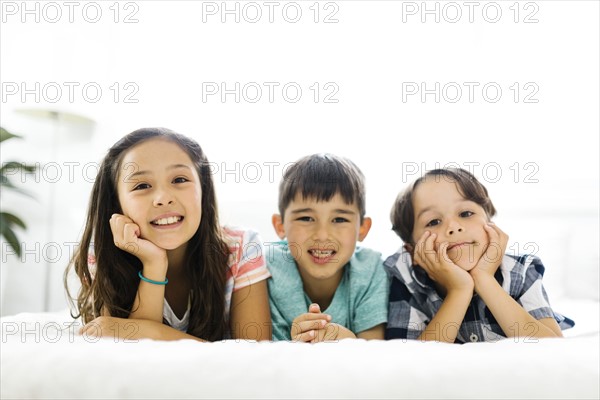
429 252
420 245
417 257
428 248
503 236
497 236
320 336
306 326
314 308
421 256
430 242
499 232
419 248
442 250
311 317
304 337
492 232
306 322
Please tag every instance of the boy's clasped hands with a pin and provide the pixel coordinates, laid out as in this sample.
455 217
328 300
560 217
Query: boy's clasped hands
314 326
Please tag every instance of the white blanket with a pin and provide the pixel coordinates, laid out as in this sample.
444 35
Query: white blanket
40 361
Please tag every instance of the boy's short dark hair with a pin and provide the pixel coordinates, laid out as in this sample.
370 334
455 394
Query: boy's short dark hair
403 212
322 176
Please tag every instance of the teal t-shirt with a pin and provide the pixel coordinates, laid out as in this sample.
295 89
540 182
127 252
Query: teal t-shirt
360 301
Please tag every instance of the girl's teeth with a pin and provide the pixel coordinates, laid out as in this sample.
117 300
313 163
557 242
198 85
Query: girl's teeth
167 221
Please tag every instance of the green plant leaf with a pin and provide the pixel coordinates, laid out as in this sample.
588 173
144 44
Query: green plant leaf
7 220
12 240
5 135
12 166
11 219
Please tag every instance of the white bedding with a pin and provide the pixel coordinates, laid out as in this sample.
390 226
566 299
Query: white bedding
38 361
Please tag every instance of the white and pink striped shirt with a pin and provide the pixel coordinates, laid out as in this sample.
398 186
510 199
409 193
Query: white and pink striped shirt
245 267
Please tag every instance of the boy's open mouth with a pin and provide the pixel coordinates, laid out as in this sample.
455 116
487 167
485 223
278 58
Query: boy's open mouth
322 256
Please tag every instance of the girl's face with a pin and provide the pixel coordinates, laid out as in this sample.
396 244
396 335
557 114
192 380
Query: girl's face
441 209
159 189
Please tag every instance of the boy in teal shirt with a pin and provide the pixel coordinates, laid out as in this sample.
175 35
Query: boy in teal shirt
319 267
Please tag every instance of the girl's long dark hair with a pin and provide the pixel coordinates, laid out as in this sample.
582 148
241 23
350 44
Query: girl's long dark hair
112 287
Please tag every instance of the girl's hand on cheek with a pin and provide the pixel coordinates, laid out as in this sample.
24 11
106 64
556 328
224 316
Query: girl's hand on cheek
492 257
126 235
438 265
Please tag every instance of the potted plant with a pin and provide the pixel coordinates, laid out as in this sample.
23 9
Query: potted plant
9 221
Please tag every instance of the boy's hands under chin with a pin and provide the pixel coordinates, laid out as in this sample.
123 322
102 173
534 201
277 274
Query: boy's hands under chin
491 259
438 265
126 235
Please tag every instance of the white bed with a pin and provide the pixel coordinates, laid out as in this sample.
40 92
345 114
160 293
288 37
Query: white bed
38 361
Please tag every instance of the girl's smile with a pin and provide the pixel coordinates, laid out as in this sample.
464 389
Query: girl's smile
167 221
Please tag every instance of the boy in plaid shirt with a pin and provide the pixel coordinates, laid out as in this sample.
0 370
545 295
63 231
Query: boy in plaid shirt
452 281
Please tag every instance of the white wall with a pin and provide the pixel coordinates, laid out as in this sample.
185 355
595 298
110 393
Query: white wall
546 152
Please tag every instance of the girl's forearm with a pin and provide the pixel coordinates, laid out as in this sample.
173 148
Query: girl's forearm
158 331
148 303
133 330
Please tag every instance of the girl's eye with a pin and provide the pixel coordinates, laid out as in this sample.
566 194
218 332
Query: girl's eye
466 214
433 222
180 179
339 220
141 186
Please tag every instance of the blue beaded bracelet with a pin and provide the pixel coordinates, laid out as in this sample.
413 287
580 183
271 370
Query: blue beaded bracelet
142 277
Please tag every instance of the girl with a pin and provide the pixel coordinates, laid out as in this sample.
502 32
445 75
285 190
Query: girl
161 264
453 281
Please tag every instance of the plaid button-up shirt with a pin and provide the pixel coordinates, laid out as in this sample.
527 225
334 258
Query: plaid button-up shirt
414 301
